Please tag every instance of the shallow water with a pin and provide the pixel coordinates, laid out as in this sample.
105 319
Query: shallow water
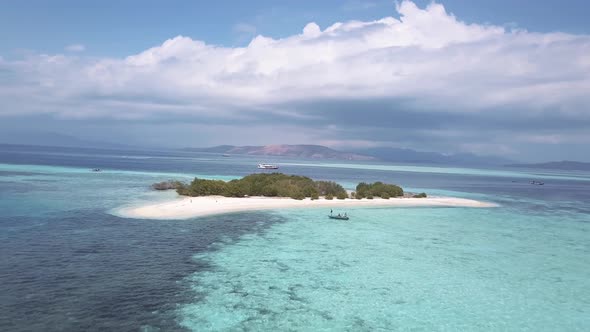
420 268
68 264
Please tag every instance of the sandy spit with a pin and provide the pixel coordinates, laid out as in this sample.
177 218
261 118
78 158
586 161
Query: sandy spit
191 207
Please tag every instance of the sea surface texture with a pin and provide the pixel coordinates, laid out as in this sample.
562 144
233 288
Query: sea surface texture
69 263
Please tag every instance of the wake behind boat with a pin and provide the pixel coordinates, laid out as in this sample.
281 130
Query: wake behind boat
268 166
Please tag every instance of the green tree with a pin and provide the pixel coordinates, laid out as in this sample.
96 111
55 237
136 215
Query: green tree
282 185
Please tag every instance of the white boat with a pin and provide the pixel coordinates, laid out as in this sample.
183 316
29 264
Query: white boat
267 166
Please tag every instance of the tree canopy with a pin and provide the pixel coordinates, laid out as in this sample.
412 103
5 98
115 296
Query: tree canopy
271 185
282 185
378 189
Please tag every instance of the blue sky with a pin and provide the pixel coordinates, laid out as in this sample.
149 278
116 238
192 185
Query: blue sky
118 28
489 77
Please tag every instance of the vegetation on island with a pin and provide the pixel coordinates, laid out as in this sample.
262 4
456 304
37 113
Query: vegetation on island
270 185
420 195
281 185
167 185
377 189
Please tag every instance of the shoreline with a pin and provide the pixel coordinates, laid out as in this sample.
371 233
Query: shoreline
193 207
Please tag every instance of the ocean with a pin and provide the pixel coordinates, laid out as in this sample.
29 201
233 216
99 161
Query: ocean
69 263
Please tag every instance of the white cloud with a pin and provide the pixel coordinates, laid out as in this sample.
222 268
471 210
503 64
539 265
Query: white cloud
352 144
312 30
427 59
75 48
488 149
556 139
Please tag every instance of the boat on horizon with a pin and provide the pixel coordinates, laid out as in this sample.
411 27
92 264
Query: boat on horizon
268 166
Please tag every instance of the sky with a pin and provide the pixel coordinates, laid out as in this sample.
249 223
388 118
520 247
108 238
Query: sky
497 77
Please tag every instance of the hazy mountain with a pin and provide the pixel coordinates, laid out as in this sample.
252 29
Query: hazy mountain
384 154
413 156
563 165
283 150
54 139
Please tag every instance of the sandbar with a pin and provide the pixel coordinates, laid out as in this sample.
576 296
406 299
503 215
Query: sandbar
191 207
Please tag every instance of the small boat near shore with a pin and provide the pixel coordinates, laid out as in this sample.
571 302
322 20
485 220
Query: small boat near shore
339 217
268 166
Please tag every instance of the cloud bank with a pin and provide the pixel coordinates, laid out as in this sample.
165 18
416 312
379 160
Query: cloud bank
425 76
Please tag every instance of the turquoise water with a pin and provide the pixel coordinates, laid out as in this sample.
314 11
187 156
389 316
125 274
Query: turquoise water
402 269
69 263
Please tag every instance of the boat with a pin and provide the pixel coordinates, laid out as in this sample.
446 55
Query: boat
267 166
339 217
96 169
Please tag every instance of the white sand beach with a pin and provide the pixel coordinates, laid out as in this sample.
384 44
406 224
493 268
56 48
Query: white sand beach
190 207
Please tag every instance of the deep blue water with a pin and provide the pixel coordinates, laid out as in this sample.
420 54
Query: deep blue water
68 264
87 270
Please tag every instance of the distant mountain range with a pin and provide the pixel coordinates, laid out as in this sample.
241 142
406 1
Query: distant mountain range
284 150
562 165
383 154
413 156
398 155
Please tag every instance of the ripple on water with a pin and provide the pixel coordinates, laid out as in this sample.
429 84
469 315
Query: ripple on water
425 269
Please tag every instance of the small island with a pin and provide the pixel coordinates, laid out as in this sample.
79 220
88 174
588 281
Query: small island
258 192
282 185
